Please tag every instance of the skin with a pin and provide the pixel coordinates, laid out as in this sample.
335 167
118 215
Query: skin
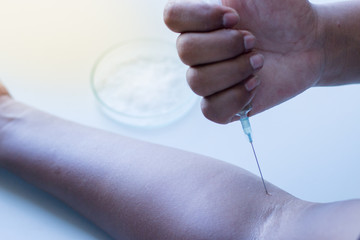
300 45
138 190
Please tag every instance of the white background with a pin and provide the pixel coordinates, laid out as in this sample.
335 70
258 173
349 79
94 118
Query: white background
308 146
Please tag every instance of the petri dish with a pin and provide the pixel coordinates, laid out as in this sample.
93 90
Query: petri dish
142 83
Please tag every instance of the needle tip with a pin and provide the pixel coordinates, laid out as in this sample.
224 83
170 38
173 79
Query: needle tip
257 162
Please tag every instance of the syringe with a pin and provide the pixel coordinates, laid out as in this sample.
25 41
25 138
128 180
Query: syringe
244 119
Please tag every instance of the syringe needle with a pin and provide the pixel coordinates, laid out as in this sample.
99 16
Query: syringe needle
257 162
245 123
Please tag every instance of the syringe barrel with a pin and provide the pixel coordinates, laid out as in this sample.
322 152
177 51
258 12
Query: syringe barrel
245 123
244 119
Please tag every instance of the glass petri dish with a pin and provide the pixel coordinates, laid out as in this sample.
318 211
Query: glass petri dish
142 83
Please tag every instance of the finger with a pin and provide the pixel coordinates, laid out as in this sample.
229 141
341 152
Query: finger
3 90
204 48
209 79
196 16
223 106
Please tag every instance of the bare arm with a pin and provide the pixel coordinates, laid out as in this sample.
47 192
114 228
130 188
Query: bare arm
137 190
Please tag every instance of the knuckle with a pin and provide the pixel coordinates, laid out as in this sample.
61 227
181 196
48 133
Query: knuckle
171 16
184 46
194 81
211 113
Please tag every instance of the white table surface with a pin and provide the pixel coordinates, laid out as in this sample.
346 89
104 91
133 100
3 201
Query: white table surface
309 146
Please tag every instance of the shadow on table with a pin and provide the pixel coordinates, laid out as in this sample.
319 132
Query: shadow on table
16 186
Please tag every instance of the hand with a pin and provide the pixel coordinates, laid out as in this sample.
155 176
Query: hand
286 36
3 90
6 107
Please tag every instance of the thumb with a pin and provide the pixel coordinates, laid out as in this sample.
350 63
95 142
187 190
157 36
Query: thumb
198 16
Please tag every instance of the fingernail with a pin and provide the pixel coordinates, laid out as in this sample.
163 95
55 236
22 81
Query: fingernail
257 61
252 84
230 20
249 42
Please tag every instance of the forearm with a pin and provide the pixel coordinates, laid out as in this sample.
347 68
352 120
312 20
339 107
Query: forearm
332 221
137 190
339 26
130 188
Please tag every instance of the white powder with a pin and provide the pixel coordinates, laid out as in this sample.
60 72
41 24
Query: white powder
142 83
145 86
